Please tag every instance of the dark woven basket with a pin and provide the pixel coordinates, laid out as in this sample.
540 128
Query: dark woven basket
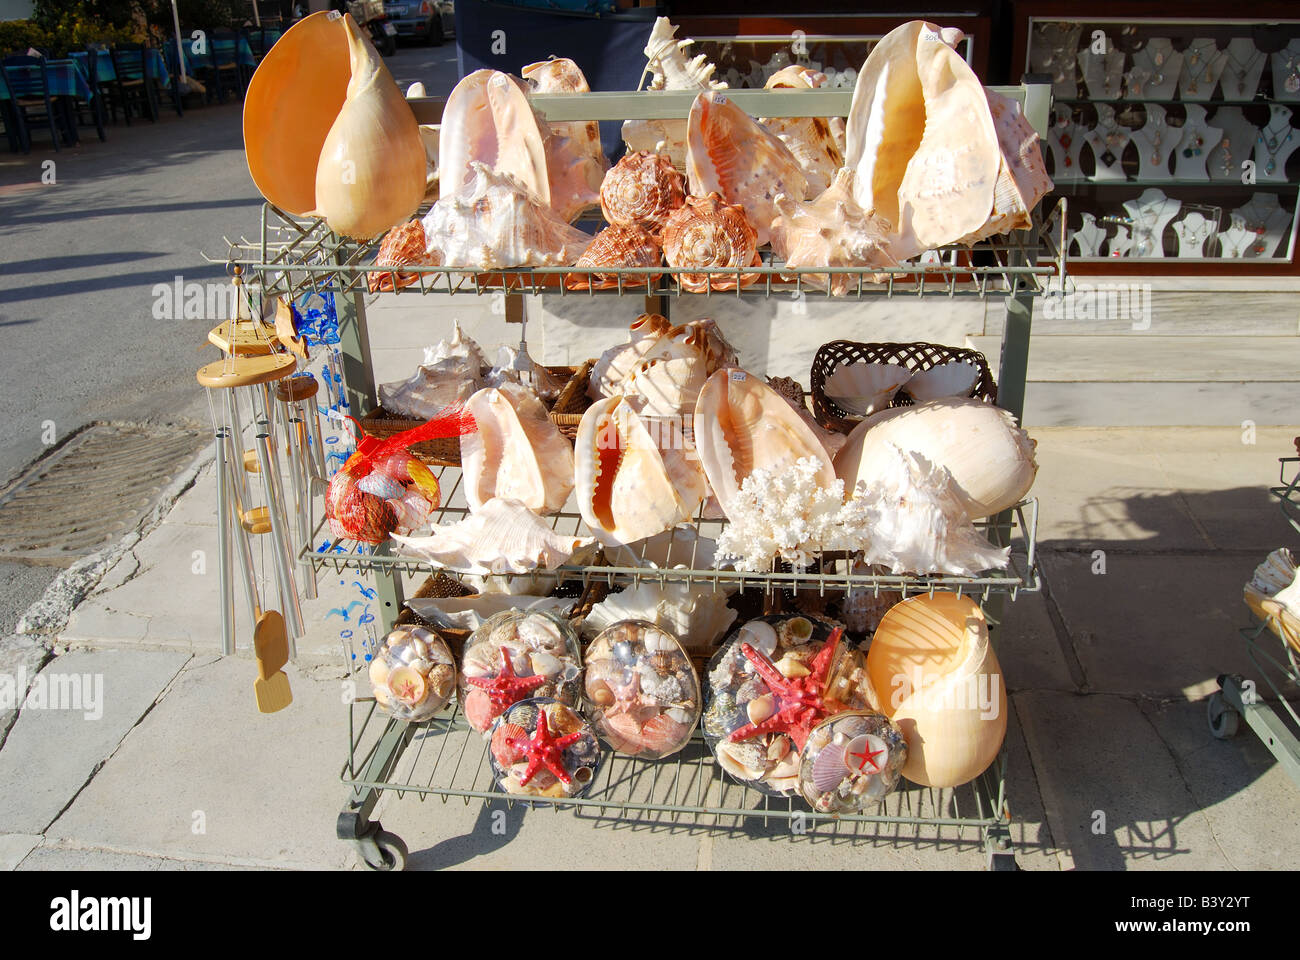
914 356
565 413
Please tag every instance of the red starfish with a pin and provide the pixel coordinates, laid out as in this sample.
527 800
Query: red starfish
801 704
868 756
506 689
544 749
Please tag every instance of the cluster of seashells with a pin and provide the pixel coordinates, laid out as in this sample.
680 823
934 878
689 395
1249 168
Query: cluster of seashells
539 649
413 674
519 755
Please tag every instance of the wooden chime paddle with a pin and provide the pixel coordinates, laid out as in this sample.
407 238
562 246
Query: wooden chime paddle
271 688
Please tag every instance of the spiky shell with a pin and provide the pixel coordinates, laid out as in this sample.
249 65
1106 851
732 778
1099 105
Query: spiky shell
817 143
642 190
668 65
709 232
1022 177
403 246
617 246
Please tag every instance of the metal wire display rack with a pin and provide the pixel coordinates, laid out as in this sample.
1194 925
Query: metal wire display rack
293 256
1237 697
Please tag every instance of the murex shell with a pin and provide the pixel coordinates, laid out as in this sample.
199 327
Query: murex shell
627 487
654 339
517 452
817 143
642 190
709 232
742 424
617 246
735 156
404 245
494 222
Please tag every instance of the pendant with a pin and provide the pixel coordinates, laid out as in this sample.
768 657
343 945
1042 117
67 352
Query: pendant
1155 159
1158 57
1241 87
1158 79
1270 166
1066 140
1271 143
1069 162
1107 158
1292 83
1192 87
1193 58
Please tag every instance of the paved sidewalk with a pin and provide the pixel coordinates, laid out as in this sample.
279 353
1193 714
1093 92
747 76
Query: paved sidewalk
1146 537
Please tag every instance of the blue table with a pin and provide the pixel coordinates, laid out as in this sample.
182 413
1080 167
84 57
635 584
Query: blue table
131 65
66 77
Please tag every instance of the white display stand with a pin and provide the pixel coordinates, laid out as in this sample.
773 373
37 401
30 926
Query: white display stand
1203 63
1103 73
1089 237
1156 69
1286 72
1155 141
1274 144
1107 141
1242 73
1198 139
1236 144
1267 222
1064 140
1056 56
1120 244
1234 241
1151 213
1192 232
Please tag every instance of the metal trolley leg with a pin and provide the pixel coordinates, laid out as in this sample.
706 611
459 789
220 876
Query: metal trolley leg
1227 708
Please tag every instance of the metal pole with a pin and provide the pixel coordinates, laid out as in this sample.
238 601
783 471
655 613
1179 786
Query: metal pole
224 565
275 510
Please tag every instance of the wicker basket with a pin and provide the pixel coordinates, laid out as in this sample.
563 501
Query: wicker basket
914 356
566 413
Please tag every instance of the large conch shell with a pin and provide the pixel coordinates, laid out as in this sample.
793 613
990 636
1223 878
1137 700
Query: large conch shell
817 143
575 162
517 453
628 488
991 459
832 231
642 190
562 75
935 674
654 339
494 222
370 175
503 537
1022 176
670 70
489 120
730 153
617 246
708 232
921 139
742 424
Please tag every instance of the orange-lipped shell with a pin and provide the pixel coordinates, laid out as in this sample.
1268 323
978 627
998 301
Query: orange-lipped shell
403 246
617 246
642 190
709 232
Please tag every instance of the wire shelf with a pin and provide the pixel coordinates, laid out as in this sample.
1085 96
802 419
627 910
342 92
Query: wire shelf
295 256
444 757
1019 532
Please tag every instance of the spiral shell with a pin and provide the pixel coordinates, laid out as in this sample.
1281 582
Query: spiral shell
617 246
642 190
404 245
709 232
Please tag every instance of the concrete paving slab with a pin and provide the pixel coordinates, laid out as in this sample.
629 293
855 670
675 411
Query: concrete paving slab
1031 834
1154 626
21 657
261 790
15 846
1028 649
1113 793
80 859
51 753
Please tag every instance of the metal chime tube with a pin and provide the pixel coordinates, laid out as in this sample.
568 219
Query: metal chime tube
224 565
297 437
279 530
235 446
312 419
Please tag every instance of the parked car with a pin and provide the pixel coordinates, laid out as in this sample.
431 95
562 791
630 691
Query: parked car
427 20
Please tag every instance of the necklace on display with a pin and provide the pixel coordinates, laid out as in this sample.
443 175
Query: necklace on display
1155 131
1272 145
1192 235
1193 148
1291 61
1255 221
1227 155
1199 55
1063 137
1145 223
1113 137
1242 71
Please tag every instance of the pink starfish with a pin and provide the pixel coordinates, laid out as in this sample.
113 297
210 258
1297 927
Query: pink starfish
506 689
544 749
801 700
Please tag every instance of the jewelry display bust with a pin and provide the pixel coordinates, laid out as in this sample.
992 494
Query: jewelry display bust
1089 237
1236 144
1103 73
1266 221
1150 214
1120 244
1274 145
1155 141
1054 52
1198 139
1203 64
1155 72
1064 140
1192 232
1240 77
1286 72
1107 141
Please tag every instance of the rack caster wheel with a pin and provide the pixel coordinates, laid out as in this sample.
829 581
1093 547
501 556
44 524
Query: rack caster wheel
383 851
1223 717
1002 862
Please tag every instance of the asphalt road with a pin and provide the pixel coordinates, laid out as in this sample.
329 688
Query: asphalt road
79 261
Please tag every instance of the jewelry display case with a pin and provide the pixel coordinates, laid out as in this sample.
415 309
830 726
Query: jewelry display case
1175 140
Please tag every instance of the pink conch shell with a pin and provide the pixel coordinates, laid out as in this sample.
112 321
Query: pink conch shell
489 120
817 143
921 139
493 222
617 246
655 339
402 246
708 232
562 75
628 488
729 153
1022 177
517 452
832 231
642 190
742 424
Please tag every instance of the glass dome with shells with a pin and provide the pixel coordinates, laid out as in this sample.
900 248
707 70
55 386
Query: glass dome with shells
851 762
642 691
542 748
771 682
515 655
413 674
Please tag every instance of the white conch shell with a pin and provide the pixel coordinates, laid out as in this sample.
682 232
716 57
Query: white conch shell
655 339
432 388
991 459
628 488
918 521
742 424
921 139
832 231
729 153
952 701
954 379
489 120
1022 176
371 171
562 75
864 388
817 143
697 616
493 222
668 388
517 452
504 536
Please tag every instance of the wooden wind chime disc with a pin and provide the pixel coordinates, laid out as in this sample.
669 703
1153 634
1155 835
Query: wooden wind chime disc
246 371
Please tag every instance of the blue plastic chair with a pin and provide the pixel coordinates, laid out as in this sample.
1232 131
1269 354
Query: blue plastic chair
28 92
